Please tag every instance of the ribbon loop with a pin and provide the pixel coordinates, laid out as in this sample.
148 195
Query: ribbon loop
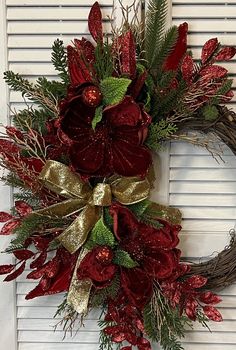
130 190
58 178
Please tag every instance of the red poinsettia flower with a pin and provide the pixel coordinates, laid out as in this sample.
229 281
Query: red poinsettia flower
115 146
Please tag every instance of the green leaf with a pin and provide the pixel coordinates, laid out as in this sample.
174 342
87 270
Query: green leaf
101 235
114 89
123 258
98 117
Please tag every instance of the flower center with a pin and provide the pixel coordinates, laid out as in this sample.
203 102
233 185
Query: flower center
104 255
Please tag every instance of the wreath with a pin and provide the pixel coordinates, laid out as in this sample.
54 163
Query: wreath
81 158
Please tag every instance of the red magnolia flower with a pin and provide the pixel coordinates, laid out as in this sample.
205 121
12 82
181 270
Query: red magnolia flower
153 249
115 146
100 271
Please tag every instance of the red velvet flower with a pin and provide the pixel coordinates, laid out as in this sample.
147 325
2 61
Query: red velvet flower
115 146
101 272
154 249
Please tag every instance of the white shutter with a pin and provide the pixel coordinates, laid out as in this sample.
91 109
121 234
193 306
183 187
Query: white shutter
32 26
204 190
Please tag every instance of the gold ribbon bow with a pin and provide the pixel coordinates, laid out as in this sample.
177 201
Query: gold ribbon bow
87 201
58 178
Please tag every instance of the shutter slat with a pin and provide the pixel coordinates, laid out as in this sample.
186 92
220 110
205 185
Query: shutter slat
51 27
206 11
56 3
51 13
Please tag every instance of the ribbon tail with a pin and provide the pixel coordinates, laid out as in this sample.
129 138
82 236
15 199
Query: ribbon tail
76 234
79 291
160 211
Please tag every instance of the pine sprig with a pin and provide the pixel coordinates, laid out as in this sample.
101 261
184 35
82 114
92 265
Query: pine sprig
59 60
31 224
163 323
221 92
32 118
100 296
33 92
159 132
103 60
166 46
155 28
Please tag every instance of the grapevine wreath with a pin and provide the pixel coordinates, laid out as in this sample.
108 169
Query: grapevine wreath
81 158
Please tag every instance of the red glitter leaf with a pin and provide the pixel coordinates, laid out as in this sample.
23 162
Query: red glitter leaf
213 72
187 68
4 217
86 47
6 269
191 309
14 133
16 273
78 70
208 49
45 283
36 274
60 284
23 254
137 84
52 267
126 348
39 261
95 22
9 227
173 60
209 298
127 54
143 344
22 208
8 147
41 243
212 313
196 281
227 97
119 338
226 54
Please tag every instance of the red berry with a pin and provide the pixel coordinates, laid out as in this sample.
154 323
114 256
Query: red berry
92 96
